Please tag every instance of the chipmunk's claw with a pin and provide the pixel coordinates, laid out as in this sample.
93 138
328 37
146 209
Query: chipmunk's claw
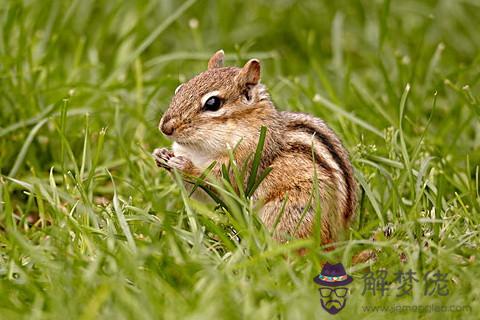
162 156
166 159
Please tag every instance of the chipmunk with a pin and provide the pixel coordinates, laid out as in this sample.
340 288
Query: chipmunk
225 106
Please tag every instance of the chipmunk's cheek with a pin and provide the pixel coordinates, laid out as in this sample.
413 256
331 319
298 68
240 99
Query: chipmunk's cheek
184 135
237 136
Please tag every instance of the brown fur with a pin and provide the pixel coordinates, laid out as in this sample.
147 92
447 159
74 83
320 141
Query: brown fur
298 147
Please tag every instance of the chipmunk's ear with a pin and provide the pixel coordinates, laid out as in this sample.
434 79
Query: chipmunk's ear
250 74
216 61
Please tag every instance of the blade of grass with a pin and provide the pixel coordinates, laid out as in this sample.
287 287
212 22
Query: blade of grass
256 161
23 151
121 217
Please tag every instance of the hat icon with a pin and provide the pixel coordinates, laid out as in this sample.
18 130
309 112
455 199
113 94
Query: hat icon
333 275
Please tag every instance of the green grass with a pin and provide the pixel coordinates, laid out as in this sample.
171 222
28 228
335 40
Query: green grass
90 227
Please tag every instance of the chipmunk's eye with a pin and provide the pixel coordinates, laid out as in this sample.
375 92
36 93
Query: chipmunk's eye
212 104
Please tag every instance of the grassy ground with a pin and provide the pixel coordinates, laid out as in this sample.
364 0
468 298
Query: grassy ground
89 227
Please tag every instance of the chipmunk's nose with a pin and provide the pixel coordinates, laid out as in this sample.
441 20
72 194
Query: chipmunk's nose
167 126
167 129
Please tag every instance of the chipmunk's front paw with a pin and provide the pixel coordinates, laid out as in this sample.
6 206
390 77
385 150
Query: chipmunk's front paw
166 159
162 156
181 163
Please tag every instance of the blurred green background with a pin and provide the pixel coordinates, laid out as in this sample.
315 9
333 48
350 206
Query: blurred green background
89 227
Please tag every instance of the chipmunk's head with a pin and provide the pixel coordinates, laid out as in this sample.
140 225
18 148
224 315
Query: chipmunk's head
218 107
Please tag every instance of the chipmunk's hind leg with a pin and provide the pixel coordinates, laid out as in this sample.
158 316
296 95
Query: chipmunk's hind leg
297 219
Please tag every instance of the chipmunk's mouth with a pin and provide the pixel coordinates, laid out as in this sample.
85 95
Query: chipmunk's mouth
182 141
200 145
